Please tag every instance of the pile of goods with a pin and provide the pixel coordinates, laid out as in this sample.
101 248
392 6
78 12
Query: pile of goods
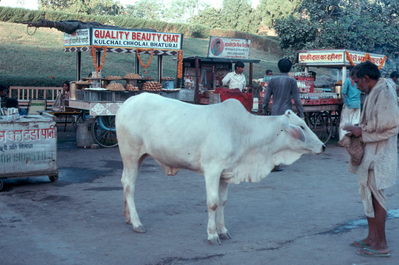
131 87
112 77
115 87
305 82
81 82
152 86
167 78
132 76
310 95
324 98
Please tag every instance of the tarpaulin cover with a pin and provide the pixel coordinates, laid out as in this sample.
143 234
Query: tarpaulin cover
70 26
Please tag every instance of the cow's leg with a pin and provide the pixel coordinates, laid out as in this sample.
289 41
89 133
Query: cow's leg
221 229
129 176
212 200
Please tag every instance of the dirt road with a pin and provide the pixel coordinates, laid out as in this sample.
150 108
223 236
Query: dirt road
306 214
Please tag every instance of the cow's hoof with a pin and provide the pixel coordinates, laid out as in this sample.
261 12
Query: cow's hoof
139 229
225 236
214 241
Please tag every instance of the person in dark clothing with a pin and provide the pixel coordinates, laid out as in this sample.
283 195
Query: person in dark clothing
394 78
283 88
5 101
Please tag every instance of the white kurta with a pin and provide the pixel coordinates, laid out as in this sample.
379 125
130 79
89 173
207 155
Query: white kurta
379 122
234 80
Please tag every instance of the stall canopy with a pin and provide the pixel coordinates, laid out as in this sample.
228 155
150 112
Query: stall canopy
218 60
101 39
70 26
338 58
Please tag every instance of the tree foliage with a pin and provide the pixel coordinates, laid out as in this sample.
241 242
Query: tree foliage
209 17
235 15
145 9
368 25
270 10
183 10
88 7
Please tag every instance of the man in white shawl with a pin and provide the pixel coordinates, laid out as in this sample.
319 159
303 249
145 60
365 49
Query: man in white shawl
377 170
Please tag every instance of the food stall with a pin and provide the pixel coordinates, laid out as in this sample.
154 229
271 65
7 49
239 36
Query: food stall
322 105
28 146
101 96
203 75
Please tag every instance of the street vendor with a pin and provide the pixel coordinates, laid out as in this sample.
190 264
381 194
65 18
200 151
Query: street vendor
393 77
236 79
5 101
268 75
351 109
59 103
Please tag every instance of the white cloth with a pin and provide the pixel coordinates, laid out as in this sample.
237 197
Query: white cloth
348 117
235 80
369 190
379 122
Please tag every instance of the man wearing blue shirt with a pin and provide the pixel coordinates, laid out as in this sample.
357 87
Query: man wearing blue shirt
351 110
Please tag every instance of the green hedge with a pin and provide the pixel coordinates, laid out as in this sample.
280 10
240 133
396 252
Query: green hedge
18 15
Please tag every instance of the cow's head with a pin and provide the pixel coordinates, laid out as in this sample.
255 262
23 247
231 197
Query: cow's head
301 136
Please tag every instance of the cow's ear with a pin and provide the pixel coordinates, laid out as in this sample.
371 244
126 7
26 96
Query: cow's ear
296 133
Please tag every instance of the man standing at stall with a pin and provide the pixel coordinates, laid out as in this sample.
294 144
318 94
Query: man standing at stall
351 109
377 170
393 77
236 79
5 101
268 75
59 103
283 88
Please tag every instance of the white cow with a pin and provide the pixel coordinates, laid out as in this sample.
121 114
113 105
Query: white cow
223 141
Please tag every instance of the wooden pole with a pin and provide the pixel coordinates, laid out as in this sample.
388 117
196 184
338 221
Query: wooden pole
78 65
251 69
197 80
160 68
137 63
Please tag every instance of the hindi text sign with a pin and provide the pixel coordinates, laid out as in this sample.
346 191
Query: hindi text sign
80 37
233 48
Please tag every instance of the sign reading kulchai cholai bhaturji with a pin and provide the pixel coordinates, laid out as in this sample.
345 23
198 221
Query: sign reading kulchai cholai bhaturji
220 47
118 38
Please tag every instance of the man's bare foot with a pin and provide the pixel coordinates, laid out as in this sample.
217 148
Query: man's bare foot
370 252
360 243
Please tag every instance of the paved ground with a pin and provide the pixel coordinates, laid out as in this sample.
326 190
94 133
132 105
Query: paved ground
307 214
